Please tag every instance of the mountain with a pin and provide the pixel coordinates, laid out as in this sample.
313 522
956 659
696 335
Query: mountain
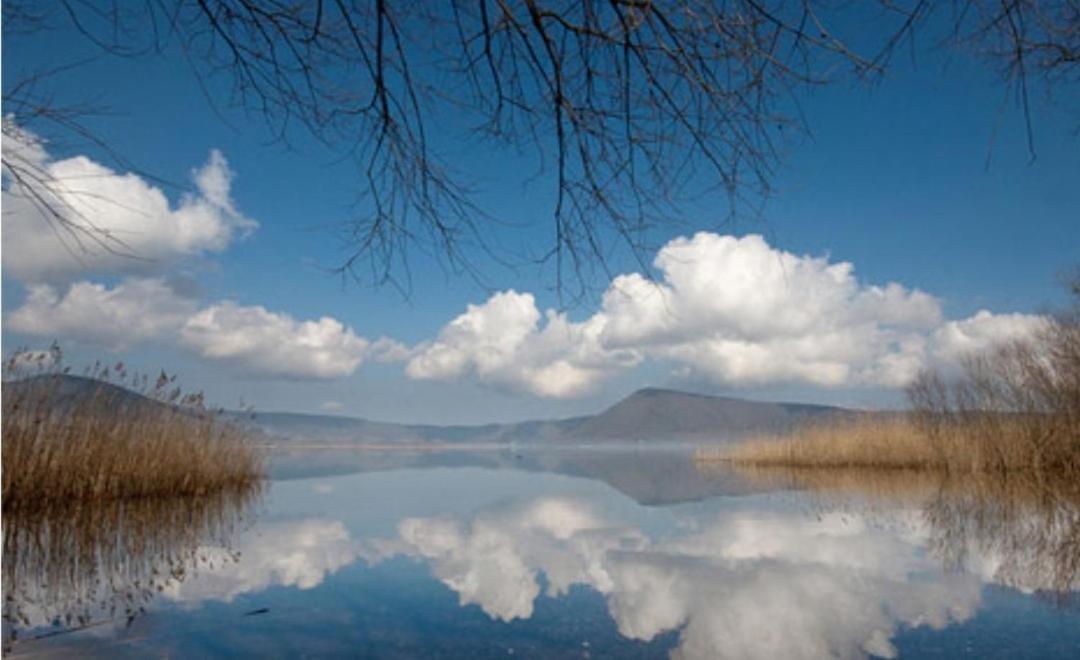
335 429
646 415
59 393
658 413
649 414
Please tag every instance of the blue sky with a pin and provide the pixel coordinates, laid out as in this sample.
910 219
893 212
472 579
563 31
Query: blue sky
893 179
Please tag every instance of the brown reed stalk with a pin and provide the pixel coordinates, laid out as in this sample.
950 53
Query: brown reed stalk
69 439
1014 408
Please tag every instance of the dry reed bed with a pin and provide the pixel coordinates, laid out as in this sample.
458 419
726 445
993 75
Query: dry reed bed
842 443
899 442
106 444
1014 407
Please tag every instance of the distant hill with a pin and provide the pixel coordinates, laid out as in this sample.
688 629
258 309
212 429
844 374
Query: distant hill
649 414
646 415
658 413
60 392
335 429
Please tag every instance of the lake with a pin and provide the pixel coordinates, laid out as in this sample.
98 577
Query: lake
586 553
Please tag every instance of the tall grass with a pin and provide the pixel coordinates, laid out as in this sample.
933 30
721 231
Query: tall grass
71 440
989 442
1016 406
1013 408
855 441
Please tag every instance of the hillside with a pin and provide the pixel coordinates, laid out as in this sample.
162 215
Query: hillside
649 414
657 413
60 392
645 415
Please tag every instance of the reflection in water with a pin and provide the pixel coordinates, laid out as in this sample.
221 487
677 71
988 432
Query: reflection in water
654 476
288 553
745 584
849 566
1020 535
84 566
1018 532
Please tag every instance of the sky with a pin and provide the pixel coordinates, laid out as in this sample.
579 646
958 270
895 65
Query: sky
910 226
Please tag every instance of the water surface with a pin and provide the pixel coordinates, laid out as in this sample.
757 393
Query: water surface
603 553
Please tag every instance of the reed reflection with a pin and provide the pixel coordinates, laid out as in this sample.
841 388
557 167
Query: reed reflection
1019 531
87 565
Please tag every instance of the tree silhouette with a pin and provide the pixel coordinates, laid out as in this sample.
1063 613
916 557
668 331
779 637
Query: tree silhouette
634 106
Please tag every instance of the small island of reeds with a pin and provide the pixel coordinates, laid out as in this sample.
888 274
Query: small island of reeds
109 435
1014 407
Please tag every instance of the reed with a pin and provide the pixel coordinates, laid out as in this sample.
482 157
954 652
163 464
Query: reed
68 440
1012 408
990 443
857 441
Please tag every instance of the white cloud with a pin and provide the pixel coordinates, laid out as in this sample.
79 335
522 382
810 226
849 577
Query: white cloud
956 339
731 310
385 349
738 311
260 342
136 310
23 150
251 339
146 232
502 343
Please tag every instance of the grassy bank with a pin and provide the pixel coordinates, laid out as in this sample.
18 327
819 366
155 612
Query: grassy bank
80 440
987 443
1014 407
870 442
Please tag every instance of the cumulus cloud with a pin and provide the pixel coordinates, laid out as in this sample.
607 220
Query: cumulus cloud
956 339
23 149
125 225
253 340
736 586
135 310
137 228
260 342
738 311
385 349
502 342
731 310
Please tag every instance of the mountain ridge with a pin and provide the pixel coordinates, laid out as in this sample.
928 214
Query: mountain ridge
648 414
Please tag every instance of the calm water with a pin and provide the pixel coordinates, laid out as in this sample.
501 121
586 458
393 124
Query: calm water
556 554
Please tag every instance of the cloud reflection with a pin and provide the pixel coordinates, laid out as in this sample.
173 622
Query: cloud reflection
294 553
737 586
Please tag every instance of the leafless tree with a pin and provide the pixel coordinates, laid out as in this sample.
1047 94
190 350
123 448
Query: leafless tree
1026 391
633 106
